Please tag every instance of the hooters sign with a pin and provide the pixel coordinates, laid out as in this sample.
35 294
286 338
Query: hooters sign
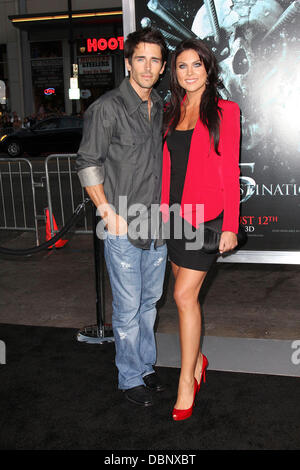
95 45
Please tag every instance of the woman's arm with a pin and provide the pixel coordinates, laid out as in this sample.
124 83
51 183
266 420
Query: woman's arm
230 170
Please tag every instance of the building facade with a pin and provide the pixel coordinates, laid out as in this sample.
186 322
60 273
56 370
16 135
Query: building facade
44 44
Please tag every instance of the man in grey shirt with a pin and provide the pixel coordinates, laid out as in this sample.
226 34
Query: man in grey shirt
119 164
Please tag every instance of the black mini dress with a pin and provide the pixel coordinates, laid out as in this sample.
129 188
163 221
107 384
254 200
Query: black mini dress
179 146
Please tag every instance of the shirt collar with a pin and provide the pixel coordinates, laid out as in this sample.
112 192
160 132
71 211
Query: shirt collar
132 99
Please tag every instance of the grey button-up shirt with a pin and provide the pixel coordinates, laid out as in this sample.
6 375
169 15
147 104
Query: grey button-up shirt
122 149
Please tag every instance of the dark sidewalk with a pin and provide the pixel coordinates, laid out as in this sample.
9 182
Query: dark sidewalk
57 288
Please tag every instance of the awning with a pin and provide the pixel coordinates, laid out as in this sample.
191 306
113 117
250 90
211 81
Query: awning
61 18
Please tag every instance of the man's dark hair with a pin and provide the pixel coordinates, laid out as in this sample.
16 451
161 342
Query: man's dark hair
152 36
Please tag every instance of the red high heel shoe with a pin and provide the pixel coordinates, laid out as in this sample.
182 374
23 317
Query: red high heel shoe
204 367
179 415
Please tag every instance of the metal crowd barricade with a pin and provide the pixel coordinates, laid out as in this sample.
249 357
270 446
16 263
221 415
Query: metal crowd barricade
64 192
17 196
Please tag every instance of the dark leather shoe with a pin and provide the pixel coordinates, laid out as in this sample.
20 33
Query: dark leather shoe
139 396
153 383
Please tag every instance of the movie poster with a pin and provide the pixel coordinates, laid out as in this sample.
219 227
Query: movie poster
257 45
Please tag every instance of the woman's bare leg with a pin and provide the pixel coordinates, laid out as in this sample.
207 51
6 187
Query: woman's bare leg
175 269
187 286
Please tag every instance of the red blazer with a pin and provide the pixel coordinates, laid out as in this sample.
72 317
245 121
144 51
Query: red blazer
211 179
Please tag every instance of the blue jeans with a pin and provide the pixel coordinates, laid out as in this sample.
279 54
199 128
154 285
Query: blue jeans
136 278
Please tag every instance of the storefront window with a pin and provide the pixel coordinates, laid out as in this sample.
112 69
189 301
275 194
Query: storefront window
95 77
100 66
4 103
47 77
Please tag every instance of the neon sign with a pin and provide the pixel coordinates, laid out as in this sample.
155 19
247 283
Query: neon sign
94 45
49 91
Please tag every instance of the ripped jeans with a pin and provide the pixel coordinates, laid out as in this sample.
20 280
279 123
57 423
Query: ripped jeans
136 279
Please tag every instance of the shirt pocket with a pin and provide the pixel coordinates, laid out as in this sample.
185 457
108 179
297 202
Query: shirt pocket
126 147
121 139
129 139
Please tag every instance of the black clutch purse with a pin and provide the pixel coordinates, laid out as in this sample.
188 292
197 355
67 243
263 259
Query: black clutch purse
212 235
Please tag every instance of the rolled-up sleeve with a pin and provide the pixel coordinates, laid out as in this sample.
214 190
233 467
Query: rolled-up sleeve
93 149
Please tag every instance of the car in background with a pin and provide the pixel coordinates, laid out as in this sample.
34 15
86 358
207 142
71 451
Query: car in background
52 135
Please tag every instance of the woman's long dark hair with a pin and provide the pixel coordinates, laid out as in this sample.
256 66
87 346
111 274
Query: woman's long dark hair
209 110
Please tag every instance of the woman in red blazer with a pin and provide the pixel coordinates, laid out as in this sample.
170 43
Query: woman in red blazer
200 170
